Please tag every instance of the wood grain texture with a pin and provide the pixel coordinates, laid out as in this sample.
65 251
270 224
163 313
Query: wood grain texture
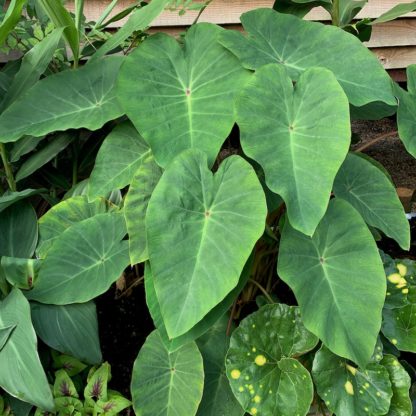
396 57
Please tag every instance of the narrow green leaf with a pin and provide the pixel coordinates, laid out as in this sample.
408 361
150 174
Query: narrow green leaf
65 214
300 120
21 372
166 383
299 8
43 156
263 373
350 391
218 398
401 405
5 333
91 254
139 20
34 64
61 18
397 11
23 146
135 207
120 155
217 216
10 19
70 329
19 230
298 45
83 97
10 198
182 97
371 193
327 273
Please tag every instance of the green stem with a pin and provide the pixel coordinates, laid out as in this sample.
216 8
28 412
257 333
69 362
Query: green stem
201 11
7 168
335 13
262 289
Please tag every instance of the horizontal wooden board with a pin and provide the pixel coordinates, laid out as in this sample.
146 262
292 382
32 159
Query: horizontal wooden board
396 57
226 11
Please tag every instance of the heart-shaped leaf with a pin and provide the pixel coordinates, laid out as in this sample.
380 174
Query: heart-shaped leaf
182 97
400 405
282 127
90 255
350 391
263 375
120 155
166 383
21 372
137 199
371 193
327 271
206 220
299 44
70 329
83 97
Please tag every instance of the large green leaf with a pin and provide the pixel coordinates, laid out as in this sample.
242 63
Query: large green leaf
20 272
285 128
44 155
138 21
34 64
218 398
400 405
76 98
201 327
182 97
399 326
70 329
164 383
209 222
61 18
120 155
299 45
299 8
406 113
350 391
10 19
137 199
21 372
263 374
65 214
5 333
83 262
371 193
395 12
331 273
18 230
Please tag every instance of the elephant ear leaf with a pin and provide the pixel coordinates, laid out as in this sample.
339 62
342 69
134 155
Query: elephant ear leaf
182 97
298 45
287 143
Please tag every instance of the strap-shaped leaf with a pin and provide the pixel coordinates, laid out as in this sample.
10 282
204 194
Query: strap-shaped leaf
166 383
400 404
182 97
299 45
201 327
371 193
263 375
285 128
406 113
10 19
21 372
70 329
65 214
90 255
218 398
120 155
9 198
350 391
83 97
327 272
205 220
137 199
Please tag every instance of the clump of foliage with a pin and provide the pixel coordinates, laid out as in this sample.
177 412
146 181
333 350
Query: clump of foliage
133 159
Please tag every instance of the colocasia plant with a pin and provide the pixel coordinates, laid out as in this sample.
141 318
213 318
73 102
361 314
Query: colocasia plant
220 166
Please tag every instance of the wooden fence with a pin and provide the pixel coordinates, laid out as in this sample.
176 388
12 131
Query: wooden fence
393 42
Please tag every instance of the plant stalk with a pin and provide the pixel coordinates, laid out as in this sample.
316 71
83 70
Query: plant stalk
201 11
376 140
263 290
7 168
335 13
